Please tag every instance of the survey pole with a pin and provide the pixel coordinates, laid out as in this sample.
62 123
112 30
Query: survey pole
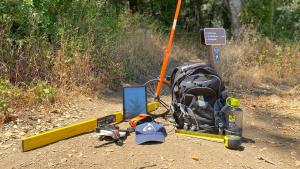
168 51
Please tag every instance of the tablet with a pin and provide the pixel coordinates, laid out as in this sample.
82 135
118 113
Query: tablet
134 101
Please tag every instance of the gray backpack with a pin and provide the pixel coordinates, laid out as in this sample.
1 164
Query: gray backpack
195 90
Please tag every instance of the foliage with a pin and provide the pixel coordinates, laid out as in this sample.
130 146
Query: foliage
7 91
276 19
40 37
43 91
95 42
251 63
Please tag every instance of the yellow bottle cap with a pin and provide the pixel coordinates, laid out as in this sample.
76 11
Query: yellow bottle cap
232 102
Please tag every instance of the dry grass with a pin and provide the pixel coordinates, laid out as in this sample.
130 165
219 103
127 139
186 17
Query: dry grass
260 63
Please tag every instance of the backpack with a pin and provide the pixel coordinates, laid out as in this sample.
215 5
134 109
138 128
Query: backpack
195 89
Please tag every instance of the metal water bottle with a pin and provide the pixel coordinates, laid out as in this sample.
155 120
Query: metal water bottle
234 118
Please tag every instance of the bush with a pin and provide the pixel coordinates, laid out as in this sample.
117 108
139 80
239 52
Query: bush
7 91
43 91
257 62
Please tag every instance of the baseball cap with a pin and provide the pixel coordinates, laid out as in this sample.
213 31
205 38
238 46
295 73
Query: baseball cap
150 131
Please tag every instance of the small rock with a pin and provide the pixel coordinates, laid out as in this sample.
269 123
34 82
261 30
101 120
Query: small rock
80 155
63 160
75 117
194 157
70 155
50 164
56 125
109 150
15 126
8 134
6 146
10 110
39 121
90 99
15 136
171 160
33 118
263 149
55 111
228 163
164 167
49 120
13 118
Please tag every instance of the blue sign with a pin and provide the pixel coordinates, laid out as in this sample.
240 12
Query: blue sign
216 49
216 58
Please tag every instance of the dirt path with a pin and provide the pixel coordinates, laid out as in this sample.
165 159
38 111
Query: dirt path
273 140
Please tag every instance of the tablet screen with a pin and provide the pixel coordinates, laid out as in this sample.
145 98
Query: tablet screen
134 101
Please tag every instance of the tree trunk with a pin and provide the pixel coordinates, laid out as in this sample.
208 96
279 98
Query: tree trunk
133 5
235 7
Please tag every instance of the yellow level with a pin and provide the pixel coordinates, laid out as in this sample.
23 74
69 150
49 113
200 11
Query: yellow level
55 135
52 136
230 141
206 136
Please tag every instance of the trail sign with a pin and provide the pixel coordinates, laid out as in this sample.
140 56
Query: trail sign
213 36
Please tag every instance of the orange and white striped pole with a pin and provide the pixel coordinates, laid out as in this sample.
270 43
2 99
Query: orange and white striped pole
168 51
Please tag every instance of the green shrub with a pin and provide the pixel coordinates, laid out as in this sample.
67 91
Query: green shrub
7 92
43 91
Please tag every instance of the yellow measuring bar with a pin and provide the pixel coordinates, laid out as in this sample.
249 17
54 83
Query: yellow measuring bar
52 136
55 135
230 141
206 136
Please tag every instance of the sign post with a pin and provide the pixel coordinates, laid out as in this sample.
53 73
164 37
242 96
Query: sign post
214 38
